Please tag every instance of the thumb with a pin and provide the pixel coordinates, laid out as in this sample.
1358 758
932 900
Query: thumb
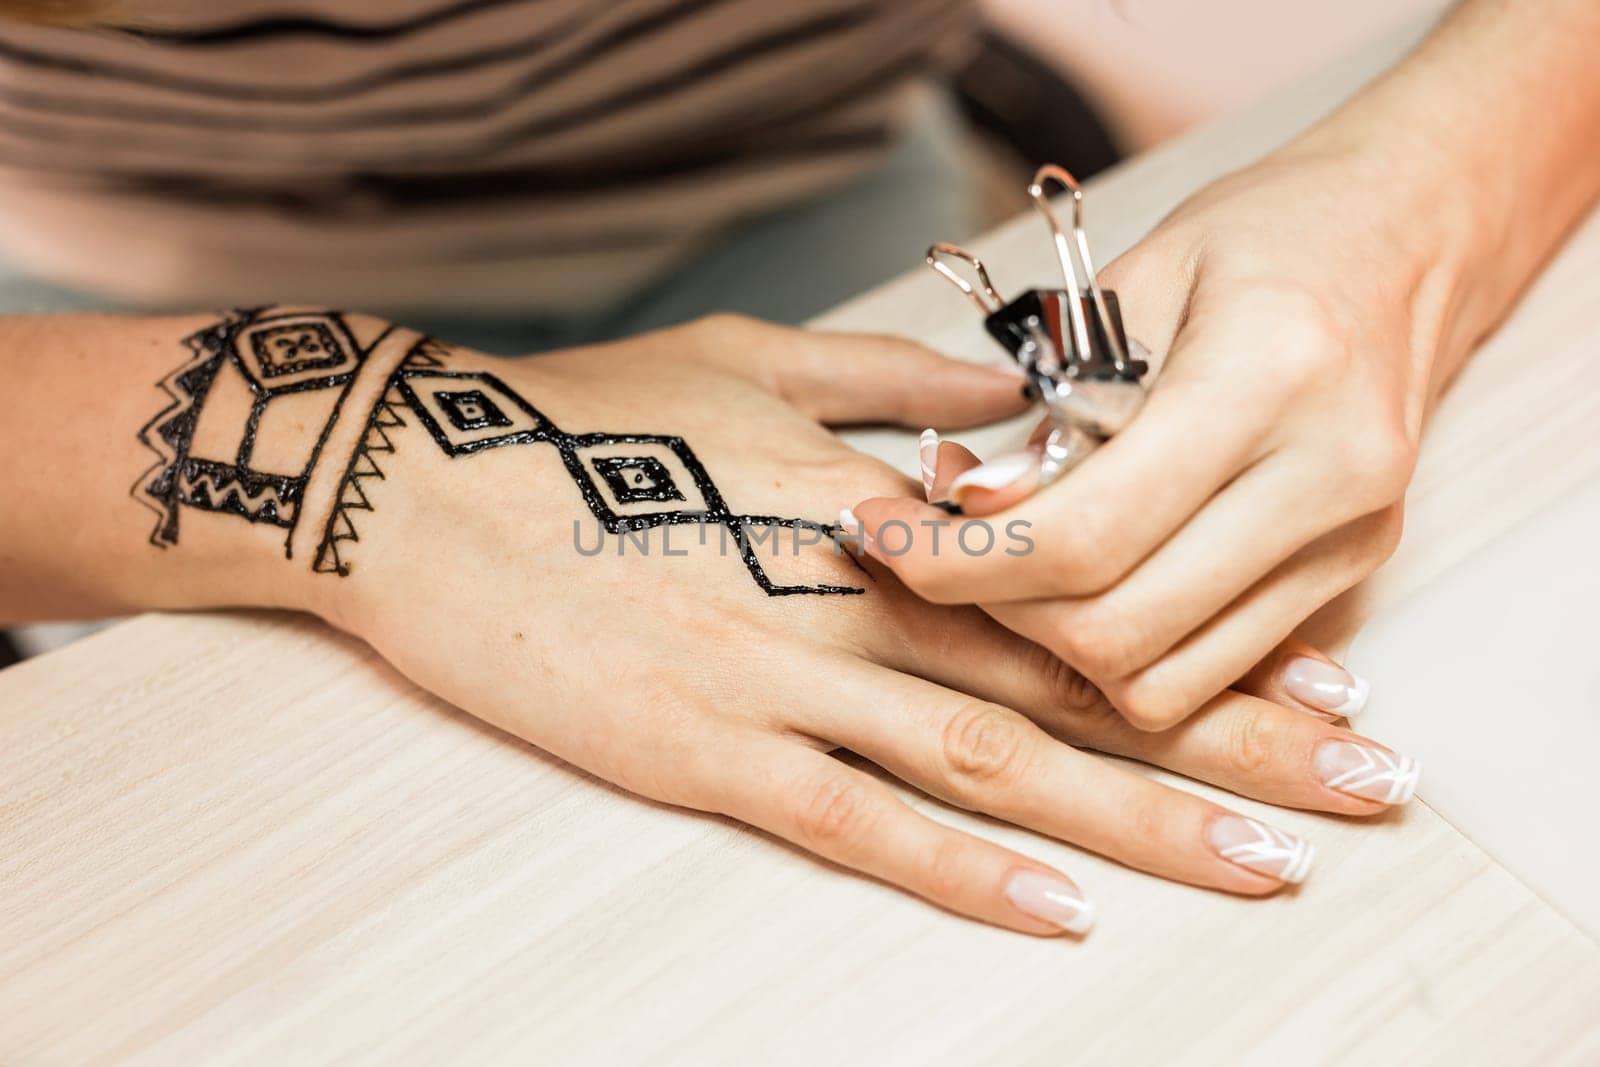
960 477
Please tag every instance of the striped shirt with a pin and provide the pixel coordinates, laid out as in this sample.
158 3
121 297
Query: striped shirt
461 155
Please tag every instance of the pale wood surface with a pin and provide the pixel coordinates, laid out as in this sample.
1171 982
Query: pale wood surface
244 839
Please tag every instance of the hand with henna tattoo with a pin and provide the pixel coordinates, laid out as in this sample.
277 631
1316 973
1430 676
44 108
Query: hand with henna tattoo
627 555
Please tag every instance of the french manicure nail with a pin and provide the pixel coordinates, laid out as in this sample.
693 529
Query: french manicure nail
929 450
1325 687
1367 771
850 526
1050 899
1261 848
995 474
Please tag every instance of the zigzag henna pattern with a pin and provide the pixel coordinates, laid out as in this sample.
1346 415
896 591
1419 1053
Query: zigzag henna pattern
627 480
273 355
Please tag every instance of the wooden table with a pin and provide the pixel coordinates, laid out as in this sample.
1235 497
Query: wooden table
205 857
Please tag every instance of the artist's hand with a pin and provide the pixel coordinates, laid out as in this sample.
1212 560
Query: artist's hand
1299 315
677 677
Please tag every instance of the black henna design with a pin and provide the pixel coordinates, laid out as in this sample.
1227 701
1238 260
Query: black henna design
273 355
629 482
632 479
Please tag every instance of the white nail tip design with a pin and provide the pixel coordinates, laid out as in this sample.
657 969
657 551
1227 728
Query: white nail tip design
997 473
1051 900
1262 848
1360 689
928 448
1370 773
848 521
1326 689
1083 921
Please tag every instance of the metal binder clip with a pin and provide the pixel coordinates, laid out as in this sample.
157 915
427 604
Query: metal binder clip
1070 342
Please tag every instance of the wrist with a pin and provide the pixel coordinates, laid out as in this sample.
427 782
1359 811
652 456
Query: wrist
1431 236
255 480
1478 131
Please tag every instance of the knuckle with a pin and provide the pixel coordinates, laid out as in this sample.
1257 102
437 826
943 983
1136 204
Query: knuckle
1387 459
1095 725
1250 749
982 746
1068 687
1067 642
1372 469
1074 706
833 815
949 869
1153 702
1306 344
1110 642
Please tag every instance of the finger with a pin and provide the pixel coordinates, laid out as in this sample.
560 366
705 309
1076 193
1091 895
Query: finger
1162 279
928 448
1298 675
943 558
1244 744
945 469
942 462
854 820
1252 746
1246 532
849 378
857 378
992 487
1269 752
991 759
1228 646
1198 430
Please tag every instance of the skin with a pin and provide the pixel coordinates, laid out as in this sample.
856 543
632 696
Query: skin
1318 300
1308 310
467 581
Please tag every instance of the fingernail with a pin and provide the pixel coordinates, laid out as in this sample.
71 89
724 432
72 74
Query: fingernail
995 474
1261 848
1051 899
1325 687
1367 771
929 448
850 526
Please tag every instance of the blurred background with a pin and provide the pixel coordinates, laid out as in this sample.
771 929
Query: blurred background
1136 72
1155 67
